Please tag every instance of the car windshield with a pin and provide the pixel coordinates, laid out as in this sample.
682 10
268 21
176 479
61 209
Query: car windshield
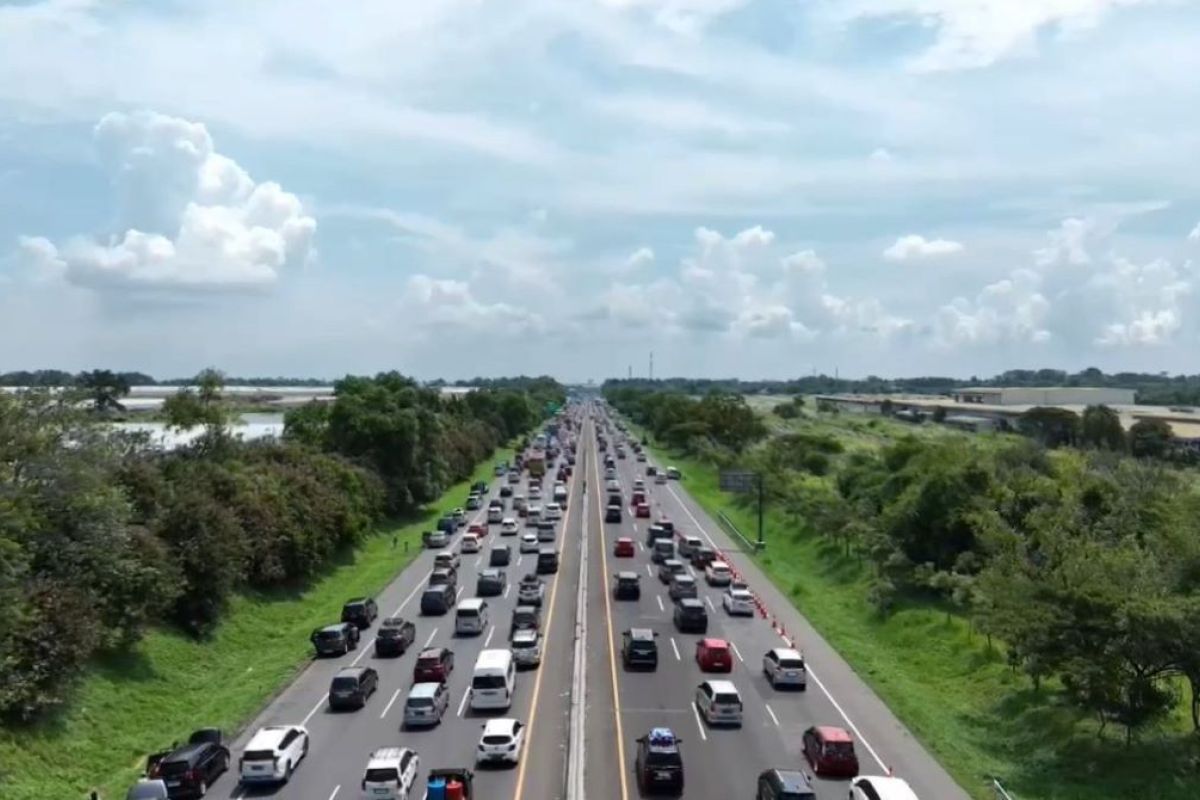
488 682
429 661
343 684
791 663
328 635
420 702
382 775
258 755
497 739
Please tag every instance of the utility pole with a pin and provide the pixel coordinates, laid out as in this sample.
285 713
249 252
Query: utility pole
630 372
651 365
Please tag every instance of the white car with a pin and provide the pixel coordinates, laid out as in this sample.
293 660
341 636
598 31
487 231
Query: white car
784 666
273 753
718 573
494 514
446 559
873 787
502 740
529 543
738 603
639 485
552 511
535 492
391 773
469 544
509 527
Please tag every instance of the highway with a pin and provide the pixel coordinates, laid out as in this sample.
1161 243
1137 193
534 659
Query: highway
619 706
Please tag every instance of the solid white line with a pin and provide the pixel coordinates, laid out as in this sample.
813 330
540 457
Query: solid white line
737 652
676 649
432 634
661 607
488 640
388 707
315 708
708 600
699 722
774 718
333 794
463 703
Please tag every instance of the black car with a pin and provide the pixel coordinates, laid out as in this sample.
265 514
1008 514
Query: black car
639 648
612 512
351 687
690 615
702 557
188 770
547 561
490 583
361 611
659 764
395 636
777 784
525 618
655 532
500 555
506 490
627 586
335 640
479 487
448 523
437 600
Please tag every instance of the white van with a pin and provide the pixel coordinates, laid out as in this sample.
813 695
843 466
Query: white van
719 703
494 680
471 616
871 787
391 773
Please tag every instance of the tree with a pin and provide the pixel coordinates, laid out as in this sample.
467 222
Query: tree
939 414
201 406
1052 426
104 388
1150 438
887 407
1101 428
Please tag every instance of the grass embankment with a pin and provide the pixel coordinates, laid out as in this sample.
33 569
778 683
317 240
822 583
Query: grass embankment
942 680
170 684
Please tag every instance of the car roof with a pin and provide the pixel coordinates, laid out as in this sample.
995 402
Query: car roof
357 600
641 633
832 733
894 788
499 726
791 780
269 737
337 626
386 756
690 602
185 752
786 652
718 564
683 577
432 652
424 689
471 602
624 540
351 672
718 644
628 575
722 687
489 572
394 622
525 633
662 740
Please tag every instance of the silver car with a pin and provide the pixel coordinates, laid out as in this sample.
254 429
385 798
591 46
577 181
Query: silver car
426 704
785 667
526 648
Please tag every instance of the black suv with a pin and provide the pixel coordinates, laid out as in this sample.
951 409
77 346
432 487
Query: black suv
500 556
690 616
612 513
361 611
190 769
490 583
335 640
627 586
659 764
437 600
395 636
351 687
639 648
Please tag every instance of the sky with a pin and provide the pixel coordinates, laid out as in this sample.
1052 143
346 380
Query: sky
455 188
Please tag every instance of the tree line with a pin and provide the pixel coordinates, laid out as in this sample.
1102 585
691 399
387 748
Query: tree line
1082 564
102 537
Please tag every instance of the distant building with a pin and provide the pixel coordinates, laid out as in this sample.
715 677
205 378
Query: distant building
1050 396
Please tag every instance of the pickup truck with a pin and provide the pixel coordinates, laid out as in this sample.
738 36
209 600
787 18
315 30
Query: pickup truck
440 779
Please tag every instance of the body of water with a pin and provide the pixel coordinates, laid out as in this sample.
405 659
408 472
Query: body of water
247 426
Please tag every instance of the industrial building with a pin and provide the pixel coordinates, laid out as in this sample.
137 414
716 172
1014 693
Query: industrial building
1050 396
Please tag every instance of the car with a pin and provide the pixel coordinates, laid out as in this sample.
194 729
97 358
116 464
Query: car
273 753
627 586
552 512
514 476
702 557
714 655
444 576
435 539
658 763
535 492
526 646
738 603
718 573
642 510
830 751
689 616
502 741
639 485
426 704
682 585
188 770
335 640
394 637
621 453
651 471
660 479
560 493
669 568
509 527
784 666
533 516
490 583
529 543
674 474
437 600
612 485
525 618
499 556
495 513
689 545
391 773
352 686
460 515
433 664
447 559
639 648
531 590
474 503
610 475
479 529
469 544
448 524
547 561
521 505
545 531
500 469
361 612
612 512
623 547
777 784
719 703
880 787
641 457
506 490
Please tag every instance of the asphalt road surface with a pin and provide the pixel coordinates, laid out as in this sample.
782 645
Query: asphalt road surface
619 706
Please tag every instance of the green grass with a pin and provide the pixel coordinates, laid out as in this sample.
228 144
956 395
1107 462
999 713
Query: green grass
950 688
169 684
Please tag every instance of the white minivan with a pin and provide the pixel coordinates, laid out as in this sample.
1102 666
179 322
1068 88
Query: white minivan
719 703
273 753
494 680
471 617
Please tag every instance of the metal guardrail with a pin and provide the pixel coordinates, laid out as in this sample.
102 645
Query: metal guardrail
1000 792
732 529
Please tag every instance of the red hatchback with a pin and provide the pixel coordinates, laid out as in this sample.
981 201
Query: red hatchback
714 655
642 510
434 665
478 529
830 750
623 547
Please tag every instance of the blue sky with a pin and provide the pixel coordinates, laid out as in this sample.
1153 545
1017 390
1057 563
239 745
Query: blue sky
745 187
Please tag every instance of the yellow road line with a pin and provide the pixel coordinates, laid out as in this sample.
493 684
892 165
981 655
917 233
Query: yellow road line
612 657
537 682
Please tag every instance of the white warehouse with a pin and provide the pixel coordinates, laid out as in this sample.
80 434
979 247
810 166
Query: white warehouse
1051 396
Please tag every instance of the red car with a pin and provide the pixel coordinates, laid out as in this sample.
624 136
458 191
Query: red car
714 655
434 664
642 510
623 547
639 497
479 529
830 751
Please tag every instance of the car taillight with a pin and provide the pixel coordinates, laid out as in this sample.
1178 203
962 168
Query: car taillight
154 772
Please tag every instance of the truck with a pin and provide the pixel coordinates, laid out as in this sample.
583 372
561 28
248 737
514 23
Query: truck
536 463
450 783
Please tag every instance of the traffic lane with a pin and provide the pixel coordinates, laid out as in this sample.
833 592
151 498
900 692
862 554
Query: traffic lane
884 743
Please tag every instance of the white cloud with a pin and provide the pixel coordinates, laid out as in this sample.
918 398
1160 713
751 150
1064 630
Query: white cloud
189 217
442 306
685 115
680 16
1067 245
803 261
641 257
1195 234
913 247
1009 310
882 155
